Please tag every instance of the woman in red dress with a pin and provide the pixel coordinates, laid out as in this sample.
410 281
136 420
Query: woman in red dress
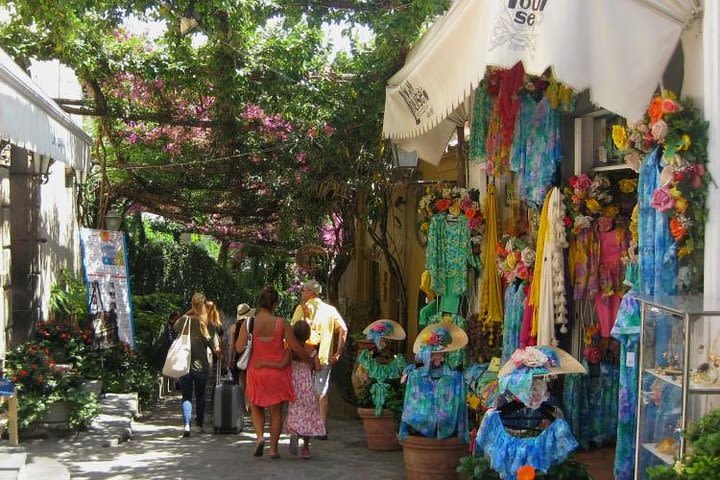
268 387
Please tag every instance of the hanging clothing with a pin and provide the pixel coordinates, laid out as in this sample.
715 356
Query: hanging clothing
537 148
491 307
547 291
448 254
434 405
514 308
583 260
501 124
477 150
508 453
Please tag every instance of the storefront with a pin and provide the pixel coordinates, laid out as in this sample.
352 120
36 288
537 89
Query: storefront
45 156
579 205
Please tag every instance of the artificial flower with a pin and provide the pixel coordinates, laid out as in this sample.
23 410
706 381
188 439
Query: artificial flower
685 142
628 185
511 261
659 131
473 401
611 211
675 193
446 193
681 204
442 204
655 110
466 204
424 227
684 251
474 222
470 212
583 182
677 229
526 472
620 137
662 200
593 205
582 222
669 106
534 357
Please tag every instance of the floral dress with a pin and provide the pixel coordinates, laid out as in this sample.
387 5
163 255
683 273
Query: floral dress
303 415
434 405
537 148
448 255
514 308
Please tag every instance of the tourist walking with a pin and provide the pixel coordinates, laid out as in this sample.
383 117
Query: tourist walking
243 312
201 338
268 387
216 360
303 416
325 321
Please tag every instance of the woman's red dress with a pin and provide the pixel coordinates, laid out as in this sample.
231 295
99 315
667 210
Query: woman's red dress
269 386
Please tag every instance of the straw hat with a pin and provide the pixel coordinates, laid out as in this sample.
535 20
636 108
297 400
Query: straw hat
389 329
458 338
533 356
244 311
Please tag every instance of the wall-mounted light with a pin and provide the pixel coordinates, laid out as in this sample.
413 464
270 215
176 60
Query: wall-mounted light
41 166
403 158
81 176
113 220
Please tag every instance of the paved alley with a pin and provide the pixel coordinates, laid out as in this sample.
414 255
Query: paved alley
156 451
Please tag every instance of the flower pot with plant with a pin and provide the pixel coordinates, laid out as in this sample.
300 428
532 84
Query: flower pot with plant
381 397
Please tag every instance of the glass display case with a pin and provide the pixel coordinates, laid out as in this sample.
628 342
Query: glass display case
679 374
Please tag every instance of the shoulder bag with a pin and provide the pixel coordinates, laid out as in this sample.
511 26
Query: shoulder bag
177 362
244 360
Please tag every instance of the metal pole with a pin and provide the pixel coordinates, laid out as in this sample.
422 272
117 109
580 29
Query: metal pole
686 384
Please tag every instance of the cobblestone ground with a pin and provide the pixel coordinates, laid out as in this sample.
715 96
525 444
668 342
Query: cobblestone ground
156 451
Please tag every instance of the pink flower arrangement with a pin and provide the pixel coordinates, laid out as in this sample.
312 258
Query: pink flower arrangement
662 200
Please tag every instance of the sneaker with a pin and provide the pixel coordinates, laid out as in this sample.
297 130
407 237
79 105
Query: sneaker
294 444
186 431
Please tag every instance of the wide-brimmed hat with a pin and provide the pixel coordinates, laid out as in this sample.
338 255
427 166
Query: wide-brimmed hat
441 337
384 328
542 361
313 286
520 375
244 311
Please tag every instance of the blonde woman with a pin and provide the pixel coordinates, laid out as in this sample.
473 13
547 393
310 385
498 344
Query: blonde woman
202 337
214 325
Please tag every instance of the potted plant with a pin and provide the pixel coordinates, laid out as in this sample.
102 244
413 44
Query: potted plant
434 423
382 394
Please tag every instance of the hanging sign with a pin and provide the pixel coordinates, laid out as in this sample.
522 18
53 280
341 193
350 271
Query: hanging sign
105 265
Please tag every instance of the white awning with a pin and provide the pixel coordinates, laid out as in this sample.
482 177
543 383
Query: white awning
618 49
30 119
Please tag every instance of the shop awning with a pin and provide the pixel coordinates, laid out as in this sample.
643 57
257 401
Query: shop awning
616 48
30 119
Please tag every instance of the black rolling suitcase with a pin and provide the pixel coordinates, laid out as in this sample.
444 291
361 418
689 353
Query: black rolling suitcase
228 406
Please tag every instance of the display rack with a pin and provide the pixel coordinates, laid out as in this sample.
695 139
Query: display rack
675 374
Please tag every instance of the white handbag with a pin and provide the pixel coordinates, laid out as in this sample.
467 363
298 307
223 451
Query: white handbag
177 362
244 359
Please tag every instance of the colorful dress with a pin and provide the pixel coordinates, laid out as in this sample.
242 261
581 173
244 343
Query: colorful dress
448 255
434 405
537 148
508 453
269 386
477 150
303 416
514 308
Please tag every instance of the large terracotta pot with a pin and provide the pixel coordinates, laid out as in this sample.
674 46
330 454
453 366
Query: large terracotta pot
380 431
432 458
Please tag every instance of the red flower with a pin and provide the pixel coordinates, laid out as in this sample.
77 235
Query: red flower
23 372
526 472
677 229
567 221
442 205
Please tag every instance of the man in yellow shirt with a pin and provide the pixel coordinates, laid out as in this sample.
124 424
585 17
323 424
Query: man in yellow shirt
324 321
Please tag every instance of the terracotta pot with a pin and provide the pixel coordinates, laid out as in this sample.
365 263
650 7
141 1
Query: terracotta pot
432 458
380 431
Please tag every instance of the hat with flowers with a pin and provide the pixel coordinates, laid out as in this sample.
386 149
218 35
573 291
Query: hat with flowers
384 328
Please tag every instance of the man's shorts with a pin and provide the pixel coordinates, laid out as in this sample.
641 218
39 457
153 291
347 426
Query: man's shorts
322 380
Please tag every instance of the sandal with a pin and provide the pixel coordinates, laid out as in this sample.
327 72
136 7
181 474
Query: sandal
259 447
